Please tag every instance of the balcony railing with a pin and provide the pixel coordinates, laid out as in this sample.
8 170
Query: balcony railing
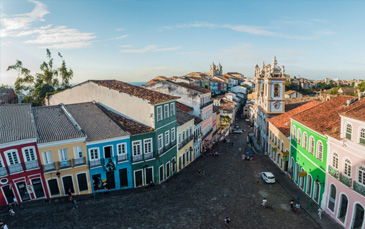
15 168
137 158
31 164
333 172
206 104
64 164
79 161
148 156
94 163
359 188
3 172
167 147
49 167
206 134
122 157
345 180
186 141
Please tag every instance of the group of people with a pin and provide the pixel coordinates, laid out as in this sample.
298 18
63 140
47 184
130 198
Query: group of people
296 207
247 157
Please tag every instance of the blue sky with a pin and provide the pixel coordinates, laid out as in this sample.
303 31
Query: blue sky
138 40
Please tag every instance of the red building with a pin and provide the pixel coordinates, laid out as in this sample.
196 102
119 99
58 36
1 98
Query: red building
21 174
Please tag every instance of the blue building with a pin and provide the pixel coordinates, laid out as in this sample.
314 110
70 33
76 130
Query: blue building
197 136
108 148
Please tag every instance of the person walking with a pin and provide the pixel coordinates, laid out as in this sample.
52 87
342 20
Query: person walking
292 203
203 173
74 203
320 213
264 202
15 201
227 220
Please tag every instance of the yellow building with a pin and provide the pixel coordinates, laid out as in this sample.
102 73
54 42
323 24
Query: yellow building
62 150
279 135
185 133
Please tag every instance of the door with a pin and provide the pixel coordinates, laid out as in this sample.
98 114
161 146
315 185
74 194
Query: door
110 181
23 192
286 166
359 216
162 173
38 188
138 178
123 178
68 184
107 152
149 175
9 195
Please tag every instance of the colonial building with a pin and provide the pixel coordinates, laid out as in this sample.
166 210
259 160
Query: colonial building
8 96
269 98
185 149
216 70
21 174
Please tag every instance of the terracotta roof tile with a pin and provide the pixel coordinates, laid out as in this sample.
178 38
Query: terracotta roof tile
140 92
197 121
355 110
183 107
196 88
183 117
282 122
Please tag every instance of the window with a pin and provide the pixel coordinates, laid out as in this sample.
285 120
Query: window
78 152
147 145
121 148
311 145
12 157
159 141
29 154
362 136
136 145
47 157
167 137
82 182
63 154
282 145
108 151
53 187
183 138
159 113
348 131
335 161
172 134
94 154
276 90
166 111
347 170
293 132
305 140
332 199
299 137
320 150
173 162
361 175
172 108
180 138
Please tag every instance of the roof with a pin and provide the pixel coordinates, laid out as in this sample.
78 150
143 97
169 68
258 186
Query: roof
282 122
324 118
290 92
355 110
196 88
183 107
293 103
5 93
130 125
153 96
183 117
216 109
197 121
16 123
94 122
54 125
348 90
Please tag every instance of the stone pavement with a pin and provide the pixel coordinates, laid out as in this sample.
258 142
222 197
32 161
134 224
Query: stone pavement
293 190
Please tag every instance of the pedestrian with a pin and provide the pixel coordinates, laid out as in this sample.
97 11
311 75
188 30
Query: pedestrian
69 193
15 201
297 206
74 203
227 220
243 157
264 202
152 184
320 213
203 173
3 225
11 210
199 173
292 203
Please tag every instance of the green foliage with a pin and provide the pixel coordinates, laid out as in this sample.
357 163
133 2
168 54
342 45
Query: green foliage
287 85
4 86
37 87
325 86
361 86
333 92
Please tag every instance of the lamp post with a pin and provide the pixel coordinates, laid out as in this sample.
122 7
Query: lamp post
58 174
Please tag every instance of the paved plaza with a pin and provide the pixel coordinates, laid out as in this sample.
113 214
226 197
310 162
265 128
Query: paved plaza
231 187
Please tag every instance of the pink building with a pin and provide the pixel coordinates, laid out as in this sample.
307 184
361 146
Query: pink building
345 179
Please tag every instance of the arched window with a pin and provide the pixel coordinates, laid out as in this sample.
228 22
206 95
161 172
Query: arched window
348 131
320 150
282 145
335 161
276 90
347 167
305 140
293 132
362 136
361 175
332 199
311 145
278 142
299 136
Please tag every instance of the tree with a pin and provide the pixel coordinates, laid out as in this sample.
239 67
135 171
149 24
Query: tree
287 85
21 84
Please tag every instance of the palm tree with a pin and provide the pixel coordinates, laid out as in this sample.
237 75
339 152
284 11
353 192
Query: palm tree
21 84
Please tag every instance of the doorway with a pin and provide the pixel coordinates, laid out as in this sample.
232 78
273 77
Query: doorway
110 181
23 192
107 152
138 178
149 175
38 188
358 217
9 195
123 178
68 184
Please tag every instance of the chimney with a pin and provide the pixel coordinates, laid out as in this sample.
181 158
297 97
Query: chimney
359 94
348 102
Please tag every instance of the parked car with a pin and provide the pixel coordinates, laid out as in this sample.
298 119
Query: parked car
237 127
240 131
268 177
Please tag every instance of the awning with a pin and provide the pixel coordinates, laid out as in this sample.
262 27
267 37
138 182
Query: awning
303 174
286 154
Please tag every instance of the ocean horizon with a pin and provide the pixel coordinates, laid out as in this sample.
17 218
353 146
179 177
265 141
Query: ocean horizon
141 83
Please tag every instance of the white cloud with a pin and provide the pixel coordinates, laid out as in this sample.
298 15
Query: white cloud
118 38
119 29
150 48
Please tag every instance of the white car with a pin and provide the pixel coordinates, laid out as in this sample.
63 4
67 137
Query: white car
239 131
268 177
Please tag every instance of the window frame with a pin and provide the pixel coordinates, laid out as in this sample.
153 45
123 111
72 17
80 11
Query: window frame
160 137
172 109
139 144
62 152
167 137
78 152
7 157
24 153
166 112
347 167
122 145
46 158
159 114
348 135
173 137
145 141
319 154
360 170
97 153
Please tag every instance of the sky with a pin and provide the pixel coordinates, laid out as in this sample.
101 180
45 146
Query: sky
132 40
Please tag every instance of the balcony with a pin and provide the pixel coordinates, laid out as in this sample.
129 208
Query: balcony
31 165
148 156
94 163
186 141
15 168
64 164
345 180
359 188
122 157
137 158
167 147
3 172
333 172
205 135
79 161
49 167
205 104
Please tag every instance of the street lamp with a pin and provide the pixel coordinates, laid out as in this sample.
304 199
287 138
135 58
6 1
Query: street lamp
58 174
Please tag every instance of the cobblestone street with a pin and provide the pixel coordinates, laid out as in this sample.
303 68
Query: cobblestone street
231 187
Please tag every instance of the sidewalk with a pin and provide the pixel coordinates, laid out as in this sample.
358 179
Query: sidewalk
293 190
